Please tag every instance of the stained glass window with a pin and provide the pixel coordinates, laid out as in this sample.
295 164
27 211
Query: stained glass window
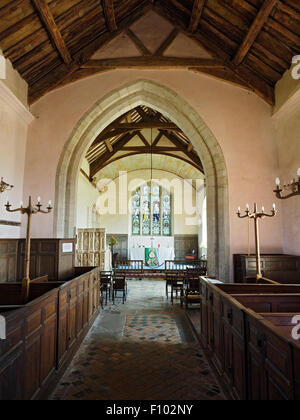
136 214
156 227
166 214
151 211
146 200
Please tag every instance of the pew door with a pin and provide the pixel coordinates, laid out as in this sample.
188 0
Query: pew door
234 347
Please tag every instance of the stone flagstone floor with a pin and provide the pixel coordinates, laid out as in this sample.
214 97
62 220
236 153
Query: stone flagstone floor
143 350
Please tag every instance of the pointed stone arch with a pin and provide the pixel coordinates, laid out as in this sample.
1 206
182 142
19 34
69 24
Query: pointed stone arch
169 103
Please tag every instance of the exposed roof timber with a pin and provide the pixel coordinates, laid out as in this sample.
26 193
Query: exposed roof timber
138 43
260 20
196 14
109 13
153 62
63 72
99 157
48 20
255 83
199 168
167 42
254 45
98 164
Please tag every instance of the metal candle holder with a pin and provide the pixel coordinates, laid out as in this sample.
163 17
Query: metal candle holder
29 211
256 216
293 187
4 186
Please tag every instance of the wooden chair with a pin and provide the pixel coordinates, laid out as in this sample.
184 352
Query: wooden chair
105 284
170 276
177 285
119 284
192 293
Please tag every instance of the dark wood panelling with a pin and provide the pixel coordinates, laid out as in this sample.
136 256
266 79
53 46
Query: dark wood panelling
283 269
47 258
184 245
122 248
8 260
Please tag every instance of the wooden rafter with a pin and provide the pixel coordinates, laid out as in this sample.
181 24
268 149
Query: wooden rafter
109 13
260 20
138 43
196 14
48 20
153 62
254 82
99 158
62 72
167 42
98 164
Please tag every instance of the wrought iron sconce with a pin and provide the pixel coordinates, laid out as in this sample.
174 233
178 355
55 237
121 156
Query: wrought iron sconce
4 186
293 188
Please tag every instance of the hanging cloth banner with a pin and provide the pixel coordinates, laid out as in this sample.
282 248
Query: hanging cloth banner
151 257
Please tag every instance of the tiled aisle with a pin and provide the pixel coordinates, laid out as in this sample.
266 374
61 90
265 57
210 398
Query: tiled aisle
143 350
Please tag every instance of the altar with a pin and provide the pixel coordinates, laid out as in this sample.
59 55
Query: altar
140 248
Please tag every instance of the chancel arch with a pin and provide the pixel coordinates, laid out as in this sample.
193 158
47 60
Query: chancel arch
172 106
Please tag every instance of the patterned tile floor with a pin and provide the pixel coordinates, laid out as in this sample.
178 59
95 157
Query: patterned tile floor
126 357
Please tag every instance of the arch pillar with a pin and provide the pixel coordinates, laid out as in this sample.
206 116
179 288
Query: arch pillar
170 104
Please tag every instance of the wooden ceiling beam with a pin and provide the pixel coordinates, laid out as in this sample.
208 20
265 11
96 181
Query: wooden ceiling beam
259 22
109 13
99 163
47 18
143 138
154 62
147 125
167 42
168 154
63 72
196 14
138 43
254 82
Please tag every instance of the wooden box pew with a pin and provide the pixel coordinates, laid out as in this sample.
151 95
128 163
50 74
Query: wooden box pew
272 357
43 335
79 303
28 355
223 327
266 303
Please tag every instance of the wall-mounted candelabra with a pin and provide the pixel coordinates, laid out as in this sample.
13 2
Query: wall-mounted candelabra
30 210
4 186
293 188
256 216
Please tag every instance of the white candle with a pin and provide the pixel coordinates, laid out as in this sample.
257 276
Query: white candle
21 204
274 206
263 209
50 203
247 207
298 172
239 209
39 199
277 182
7 201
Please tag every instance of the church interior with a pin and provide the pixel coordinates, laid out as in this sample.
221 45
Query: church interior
149 198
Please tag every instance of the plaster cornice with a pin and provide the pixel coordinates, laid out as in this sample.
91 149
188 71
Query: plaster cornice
15 104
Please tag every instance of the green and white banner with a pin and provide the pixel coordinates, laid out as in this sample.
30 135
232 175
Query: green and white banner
151 257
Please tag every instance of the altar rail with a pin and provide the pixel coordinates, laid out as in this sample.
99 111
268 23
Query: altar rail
129 267
247 330
181 265
43 335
